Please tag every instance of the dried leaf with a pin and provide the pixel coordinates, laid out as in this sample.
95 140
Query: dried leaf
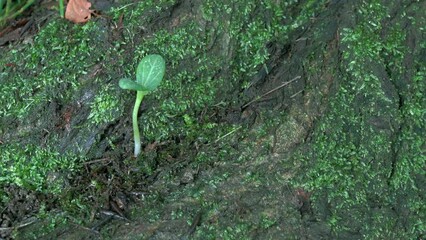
78 11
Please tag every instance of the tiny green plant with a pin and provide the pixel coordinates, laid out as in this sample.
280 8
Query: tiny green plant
149 74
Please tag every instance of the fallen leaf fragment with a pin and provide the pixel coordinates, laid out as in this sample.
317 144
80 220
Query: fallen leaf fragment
78 11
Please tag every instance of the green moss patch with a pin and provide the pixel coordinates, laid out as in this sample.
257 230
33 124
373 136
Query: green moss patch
358 164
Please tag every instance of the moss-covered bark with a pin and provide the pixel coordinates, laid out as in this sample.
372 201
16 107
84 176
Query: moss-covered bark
231 150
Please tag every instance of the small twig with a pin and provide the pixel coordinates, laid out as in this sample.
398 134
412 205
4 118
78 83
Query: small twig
195 223
4 209
86 228
26 27
17 227
224 136
292 96
123 7
97 160
101 224
271 91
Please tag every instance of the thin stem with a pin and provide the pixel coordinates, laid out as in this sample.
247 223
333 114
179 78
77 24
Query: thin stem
269 92
137 137
15 10
61 8
8 7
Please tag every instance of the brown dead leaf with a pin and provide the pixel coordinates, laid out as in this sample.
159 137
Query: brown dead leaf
78 11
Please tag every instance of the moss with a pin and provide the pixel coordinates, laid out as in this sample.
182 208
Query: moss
186 93
137 15
354 169
350 166
105 107
36 168
54 62
248 33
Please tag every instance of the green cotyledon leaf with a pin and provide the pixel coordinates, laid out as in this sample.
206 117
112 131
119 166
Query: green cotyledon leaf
126 83
150 71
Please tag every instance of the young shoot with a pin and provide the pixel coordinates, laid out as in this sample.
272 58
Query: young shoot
149 74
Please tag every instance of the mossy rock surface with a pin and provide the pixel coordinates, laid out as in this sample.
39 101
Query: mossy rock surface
275 120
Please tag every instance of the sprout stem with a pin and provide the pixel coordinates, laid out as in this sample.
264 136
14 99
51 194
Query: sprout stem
137 137
61 8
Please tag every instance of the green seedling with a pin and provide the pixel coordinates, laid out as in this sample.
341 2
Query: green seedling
149 74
